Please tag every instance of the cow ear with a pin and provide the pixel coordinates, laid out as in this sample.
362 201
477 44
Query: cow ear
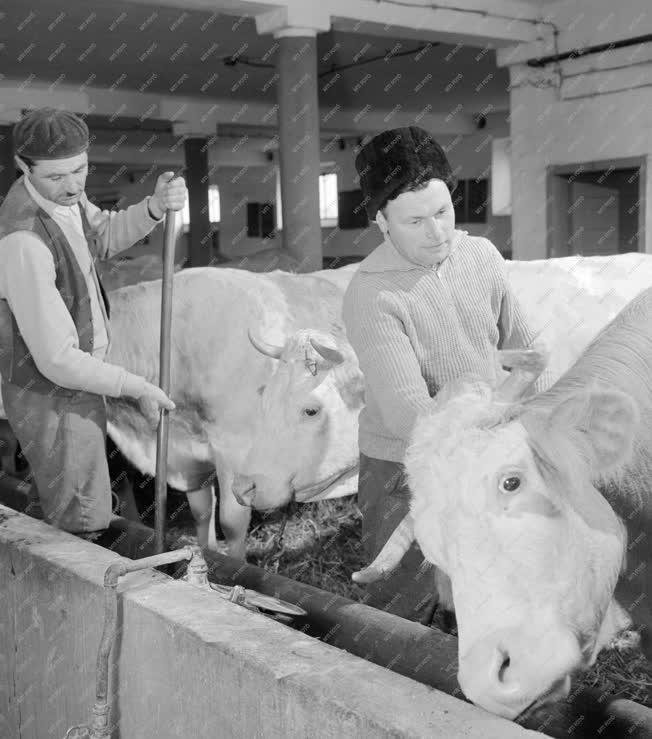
601 424
352 390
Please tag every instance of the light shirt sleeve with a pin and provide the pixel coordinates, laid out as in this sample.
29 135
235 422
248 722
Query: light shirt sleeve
514 331
512 328
387 359
121 229
28 284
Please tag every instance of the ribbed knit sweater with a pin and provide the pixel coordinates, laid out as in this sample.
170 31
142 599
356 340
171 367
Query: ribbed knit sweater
415 328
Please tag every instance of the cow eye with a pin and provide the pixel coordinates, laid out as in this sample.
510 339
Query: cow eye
510 484
310 412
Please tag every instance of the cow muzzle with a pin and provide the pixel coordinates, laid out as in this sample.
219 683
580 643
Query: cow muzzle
261 492
507 675
244 490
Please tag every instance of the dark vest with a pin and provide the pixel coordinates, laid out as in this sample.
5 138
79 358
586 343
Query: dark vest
19 212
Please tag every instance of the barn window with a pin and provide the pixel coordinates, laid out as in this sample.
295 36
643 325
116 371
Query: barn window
214 203
213 208
327 200
470 201
260 220
352 213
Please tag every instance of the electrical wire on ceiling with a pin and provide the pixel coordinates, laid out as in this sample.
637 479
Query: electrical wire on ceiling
473 11
232 61
497 16
388 55
554 59
589 50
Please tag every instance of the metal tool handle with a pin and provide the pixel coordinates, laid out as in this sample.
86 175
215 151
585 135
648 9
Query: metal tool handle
160 497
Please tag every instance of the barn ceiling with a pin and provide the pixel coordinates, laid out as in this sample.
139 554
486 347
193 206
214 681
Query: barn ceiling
215 56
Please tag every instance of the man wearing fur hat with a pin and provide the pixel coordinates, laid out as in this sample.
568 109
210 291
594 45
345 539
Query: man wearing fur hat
429 304
54 315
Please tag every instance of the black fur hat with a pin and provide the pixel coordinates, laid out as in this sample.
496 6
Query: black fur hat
395 158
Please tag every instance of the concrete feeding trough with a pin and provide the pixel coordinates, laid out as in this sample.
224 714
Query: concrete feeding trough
188 662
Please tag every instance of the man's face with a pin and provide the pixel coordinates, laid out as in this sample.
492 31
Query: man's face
421 223
61 181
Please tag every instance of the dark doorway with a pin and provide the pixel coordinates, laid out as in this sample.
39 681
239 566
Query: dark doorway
595 210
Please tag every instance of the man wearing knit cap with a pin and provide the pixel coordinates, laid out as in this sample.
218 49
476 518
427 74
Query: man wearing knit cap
428 305
54 315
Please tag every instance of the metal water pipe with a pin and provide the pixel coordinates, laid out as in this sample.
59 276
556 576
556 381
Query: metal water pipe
99 727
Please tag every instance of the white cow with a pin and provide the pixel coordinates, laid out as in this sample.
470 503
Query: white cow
306 425
121 271
126 270
266 260
215 373
218 376
534 509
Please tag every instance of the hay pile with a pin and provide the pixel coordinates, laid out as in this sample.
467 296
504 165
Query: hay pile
321 545
623 671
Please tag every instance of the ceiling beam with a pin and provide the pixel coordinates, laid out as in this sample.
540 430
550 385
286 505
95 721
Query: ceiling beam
191 116
469 22
229 7
493 23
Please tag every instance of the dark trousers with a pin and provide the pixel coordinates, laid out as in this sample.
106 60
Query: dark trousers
383 498
63 439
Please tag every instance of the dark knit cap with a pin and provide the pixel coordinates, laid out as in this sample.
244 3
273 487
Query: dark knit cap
398 157
48 133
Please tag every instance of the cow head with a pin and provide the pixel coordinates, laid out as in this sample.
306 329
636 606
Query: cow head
504 503
305 440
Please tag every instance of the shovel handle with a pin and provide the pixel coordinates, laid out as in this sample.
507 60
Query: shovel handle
160 499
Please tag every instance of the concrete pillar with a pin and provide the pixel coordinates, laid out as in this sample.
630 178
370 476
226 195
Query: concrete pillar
7 166
533 119
199 236
298 122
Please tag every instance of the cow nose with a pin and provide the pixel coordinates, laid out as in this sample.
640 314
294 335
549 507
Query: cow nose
489 677
502 675
244 490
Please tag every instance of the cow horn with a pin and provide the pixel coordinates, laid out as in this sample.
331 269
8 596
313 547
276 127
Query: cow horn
390 555
269 350
526 365
331 355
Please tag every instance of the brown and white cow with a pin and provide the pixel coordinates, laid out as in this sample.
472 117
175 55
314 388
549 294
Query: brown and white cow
536 509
